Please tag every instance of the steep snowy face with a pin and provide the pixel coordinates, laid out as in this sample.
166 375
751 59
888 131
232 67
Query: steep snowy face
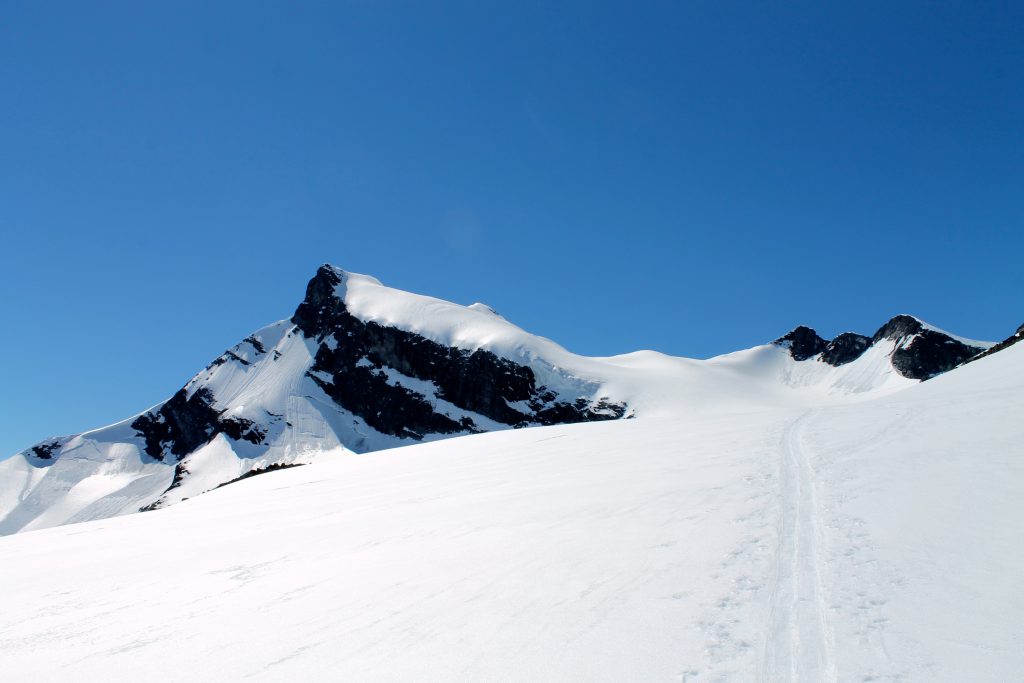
916 350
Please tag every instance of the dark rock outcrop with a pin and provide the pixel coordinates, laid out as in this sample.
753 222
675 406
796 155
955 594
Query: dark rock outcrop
391 378
256 343
803 343
898 326
184 423
845 348
272 467
47 449
923 353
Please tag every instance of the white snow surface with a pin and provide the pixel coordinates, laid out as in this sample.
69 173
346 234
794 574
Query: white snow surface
794 535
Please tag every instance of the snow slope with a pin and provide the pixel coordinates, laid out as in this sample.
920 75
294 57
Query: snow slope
279 398
791 536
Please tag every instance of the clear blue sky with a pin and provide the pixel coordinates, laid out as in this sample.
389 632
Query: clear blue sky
693 177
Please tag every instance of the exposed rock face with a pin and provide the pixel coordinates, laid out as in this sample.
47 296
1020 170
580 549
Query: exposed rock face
845 348
897 327
921 352
389 377
928 352
931 353
803 343
46 449
184 423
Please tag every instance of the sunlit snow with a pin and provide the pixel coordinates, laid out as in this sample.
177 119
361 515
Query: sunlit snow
760 520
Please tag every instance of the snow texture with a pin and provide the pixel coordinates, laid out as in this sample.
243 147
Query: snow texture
795 535
762 519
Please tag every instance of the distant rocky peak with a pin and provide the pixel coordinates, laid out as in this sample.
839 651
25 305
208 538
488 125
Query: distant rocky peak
803 343
390 380
321 303
845 348
898 327
917 350
395 380
922 352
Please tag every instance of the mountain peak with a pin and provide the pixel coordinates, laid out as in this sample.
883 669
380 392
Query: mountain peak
845 348
330 268
328 278
802 342
901 325
923 351
917 350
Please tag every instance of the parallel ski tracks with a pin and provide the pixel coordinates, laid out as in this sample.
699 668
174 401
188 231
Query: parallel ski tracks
798 645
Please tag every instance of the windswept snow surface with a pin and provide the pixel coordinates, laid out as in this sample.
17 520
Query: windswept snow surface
790 534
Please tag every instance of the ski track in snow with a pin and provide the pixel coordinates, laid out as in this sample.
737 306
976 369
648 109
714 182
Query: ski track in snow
799 645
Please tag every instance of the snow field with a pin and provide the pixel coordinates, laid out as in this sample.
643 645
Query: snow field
870 541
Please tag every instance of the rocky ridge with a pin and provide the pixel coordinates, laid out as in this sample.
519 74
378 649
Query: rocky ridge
918 351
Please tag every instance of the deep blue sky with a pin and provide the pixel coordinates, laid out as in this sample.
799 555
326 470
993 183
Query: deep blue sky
693 177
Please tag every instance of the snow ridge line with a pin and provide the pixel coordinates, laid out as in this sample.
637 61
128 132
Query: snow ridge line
799 645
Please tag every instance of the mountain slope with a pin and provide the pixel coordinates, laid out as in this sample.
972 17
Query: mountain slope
875 539
362 367
1017 336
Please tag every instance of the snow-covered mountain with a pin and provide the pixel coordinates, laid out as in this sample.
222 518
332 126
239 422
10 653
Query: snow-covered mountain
914 348
762 519
362 367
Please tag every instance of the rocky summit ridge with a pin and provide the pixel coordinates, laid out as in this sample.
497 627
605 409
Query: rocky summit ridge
916 349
